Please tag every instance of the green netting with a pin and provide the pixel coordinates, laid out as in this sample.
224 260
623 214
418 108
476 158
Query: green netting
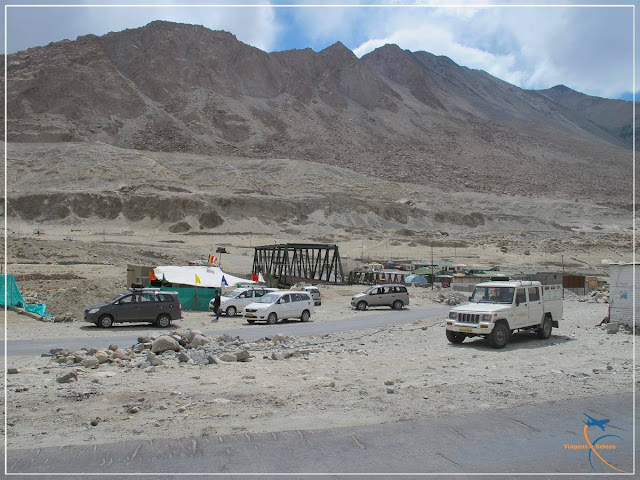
193 298
11 297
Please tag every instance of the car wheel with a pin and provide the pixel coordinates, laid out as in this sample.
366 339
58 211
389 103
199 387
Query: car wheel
251 321
397 305
105 321
499 337
455 337
545 329
272 318
361 305
163 321
305 316
231 312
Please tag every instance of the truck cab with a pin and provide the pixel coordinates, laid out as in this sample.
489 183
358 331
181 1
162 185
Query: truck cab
499 308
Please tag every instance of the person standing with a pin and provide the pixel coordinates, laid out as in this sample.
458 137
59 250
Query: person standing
216 306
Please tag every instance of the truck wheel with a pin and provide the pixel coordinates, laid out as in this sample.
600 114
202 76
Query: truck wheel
397 305
455 337
499 337
361 305
545 329
272 318
105 321
231 312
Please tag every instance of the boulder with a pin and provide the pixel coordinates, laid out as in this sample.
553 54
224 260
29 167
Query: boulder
198 340
67 377
153 359
242 356
102 357
277 356
13 371
183 357
228 357
113 347
212 359
199 357
91 362
164 343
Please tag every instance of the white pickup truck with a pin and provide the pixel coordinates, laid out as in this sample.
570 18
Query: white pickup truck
499 308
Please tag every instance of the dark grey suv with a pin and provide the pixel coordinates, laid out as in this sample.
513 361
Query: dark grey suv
137 305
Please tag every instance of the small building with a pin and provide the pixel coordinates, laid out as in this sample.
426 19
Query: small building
622 295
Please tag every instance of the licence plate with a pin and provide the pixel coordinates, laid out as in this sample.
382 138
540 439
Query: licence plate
466 330
249 315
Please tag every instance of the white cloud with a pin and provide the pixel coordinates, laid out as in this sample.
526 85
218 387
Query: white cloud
587 49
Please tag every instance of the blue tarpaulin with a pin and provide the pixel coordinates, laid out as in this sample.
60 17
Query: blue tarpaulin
417 279
11 297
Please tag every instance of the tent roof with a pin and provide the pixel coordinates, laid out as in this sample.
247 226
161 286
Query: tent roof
209 276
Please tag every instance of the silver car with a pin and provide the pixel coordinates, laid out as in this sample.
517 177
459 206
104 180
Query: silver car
315 294
392 295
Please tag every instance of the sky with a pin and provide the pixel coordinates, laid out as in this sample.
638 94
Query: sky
528 44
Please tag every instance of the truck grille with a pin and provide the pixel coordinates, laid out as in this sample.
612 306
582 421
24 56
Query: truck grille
469 317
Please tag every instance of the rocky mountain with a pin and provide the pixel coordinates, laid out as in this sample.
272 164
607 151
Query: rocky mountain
405 116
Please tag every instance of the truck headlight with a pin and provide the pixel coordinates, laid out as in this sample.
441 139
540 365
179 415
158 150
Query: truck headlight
486 317
453 315
94 310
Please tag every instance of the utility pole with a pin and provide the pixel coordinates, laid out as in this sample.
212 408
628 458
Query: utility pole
562 260
432 278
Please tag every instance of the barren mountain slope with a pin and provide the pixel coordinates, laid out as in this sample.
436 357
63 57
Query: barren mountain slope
395 114
86 184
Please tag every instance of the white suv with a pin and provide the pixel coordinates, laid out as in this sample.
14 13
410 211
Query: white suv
279 306
233 302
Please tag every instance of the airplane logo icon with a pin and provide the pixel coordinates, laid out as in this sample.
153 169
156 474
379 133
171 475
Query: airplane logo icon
592 422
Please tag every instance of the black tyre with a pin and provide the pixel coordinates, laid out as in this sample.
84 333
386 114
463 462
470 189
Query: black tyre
545 329
163 321
272 318
251 321
500 335
231 311
455 337
397 305
362 305
305 316
105 321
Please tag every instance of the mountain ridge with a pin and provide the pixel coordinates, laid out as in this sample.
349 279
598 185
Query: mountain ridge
406 116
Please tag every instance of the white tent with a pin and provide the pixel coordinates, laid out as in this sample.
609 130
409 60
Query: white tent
198 276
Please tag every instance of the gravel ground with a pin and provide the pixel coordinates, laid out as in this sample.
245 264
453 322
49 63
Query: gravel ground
353 378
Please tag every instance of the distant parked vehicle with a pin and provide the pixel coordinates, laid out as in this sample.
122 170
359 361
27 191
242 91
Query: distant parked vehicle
392 295
137 305
233 302
315 294
280 306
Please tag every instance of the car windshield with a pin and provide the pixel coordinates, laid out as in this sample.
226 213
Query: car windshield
369 290
268 298
116 298
492 295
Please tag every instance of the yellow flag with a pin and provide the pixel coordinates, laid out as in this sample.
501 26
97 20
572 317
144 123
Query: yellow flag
197 279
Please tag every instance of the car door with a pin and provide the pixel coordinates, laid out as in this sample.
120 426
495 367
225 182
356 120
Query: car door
521 309
285 306
244 299
377 297
126 309
148 307
535 305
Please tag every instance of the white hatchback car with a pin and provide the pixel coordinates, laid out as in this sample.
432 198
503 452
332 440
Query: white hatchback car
234 301
280 305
